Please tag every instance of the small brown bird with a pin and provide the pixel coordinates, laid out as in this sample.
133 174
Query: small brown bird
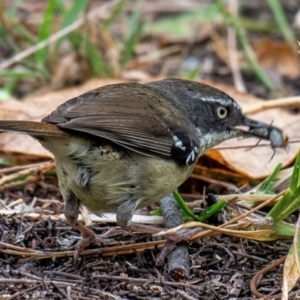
124 146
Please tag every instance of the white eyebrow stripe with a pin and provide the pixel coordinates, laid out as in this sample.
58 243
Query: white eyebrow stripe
221 101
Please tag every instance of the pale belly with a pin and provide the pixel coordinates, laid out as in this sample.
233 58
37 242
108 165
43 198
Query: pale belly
123 180
103 179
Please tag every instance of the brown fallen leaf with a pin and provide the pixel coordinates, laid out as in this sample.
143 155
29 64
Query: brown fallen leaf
290 275
277 55
253 164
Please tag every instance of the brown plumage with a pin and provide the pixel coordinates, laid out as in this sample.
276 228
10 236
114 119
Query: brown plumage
124 146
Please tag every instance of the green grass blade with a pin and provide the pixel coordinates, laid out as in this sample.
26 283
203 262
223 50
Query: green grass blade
282 22
290 201
285 201
291 204
70 16
12 10
212 210
189 215
135 33
96 60
14 73
156 212
5 94
60 7
295 179
181 24
115 12
284 229
44 33
266 185
192 74
182 205
235 23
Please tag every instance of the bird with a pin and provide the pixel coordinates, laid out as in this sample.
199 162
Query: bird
124 146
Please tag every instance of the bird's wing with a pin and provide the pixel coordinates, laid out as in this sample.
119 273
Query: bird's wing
133 116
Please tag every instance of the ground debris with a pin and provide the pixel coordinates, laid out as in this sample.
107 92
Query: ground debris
214 262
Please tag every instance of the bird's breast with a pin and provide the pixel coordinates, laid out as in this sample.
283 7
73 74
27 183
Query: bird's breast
103 177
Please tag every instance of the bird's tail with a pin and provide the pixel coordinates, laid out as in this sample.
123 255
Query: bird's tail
35 129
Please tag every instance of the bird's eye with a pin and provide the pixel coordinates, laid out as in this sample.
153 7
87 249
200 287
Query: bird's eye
222 112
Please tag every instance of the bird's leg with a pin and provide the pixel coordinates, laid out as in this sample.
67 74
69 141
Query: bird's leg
124 217
71 213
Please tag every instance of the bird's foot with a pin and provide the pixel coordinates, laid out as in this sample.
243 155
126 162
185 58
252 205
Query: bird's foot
88 238
183 235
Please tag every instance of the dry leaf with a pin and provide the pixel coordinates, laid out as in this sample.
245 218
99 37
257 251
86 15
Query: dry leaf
290 275
257 235
277 55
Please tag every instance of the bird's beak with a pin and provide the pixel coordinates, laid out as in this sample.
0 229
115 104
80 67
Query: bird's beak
264 131
255 124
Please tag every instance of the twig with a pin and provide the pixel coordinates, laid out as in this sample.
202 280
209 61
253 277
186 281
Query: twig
25 176
233 52
275 103
16 248
231 198
31 282
178 259
64 274
24 167
257 276
142 280
24 292
228 186
184 295
248 51
105 251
